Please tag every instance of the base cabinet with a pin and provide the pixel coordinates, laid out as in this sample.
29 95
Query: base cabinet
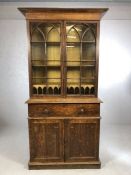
63 141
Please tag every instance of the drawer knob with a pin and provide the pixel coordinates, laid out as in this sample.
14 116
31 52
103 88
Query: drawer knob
46 111
56 127
82 110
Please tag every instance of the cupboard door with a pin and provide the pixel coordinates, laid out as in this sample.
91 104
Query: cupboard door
46 140
81 139
45 40
81 43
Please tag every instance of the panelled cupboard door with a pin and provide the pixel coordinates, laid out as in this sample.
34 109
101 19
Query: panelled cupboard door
81 140
46 140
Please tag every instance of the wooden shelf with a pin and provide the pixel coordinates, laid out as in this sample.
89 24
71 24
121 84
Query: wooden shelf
53 43
72 66
44 78
53 66
73 42
58 42
44 60
75 66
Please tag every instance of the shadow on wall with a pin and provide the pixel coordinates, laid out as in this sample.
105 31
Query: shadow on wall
13 142
13 133
129 85
115 147
115 82
4 124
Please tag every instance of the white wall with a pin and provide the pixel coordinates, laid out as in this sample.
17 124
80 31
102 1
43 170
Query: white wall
13 71
115 62
115 71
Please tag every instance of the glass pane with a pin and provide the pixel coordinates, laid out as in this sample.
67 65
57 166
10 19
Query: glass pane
73 52
54 34
89 35
37 36
37 51
53 72
72 34
54 80
73 79
46 58
54 86
38 75
88 51
81 58
88 79
88 72
51 31
53 52
53 63
45 31
73 64
73 73
89 63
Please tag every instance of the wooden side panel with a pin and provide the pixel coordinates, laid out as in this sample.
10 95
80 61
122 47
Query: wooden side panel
81 140
46 140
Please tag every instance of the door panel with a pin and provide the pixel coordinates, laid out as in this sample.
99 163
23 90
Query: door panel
81 139
46 57
81 58
46 140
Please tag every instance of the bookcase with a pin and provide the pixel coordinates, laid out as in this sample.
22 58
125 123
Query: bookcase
63 108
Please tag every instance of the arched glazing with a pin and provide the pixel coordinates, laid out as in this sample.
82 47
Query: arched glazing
80 58
46 55
71 53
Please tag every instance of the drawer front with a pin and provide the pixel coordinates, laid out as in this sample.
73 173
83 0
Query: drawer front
63 110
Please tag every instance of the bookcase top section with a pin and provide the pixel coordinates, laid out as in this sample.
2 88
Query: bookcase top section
63 13
63 100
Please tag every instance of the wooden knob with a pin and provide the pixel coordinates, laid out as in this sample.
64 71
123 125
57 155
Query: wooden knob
46 111
56 127
82 110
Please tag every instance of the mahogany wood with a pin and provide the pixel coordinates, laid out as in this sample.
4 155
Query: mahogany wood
73 100
64 130
63 14
77 110
65 165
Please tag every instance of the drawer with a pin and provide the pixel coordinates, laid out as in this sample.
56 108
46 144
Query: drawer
63 110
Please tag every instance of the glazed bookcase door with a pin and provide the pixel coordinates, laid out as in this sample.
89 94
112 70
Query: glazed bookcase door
63 58
46 58
81 58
